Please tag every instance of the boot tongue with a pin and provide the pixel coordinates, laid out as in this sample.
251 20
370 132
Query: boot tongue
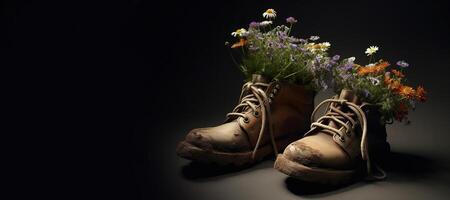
257 78
349 96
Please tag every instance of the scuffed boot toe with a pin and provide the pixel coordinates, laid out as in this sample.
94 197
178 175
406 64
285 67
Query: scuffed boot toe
301 153
199 139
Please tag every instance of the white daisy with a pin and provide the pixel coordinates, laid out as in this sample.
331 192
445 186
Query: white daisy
325 45
270 13
240 33
314 38
371 50
374 81
351 59
265 23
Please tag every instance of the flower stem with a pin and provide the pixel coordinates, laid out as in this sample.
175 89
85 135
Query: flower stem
290 28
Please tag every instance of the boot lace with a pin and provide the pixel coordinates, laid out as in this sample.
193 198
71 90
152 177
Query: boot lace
256 97
348 124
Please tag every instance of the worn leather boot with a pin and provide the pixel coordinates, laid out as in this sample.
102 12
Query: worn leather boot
342 145
269 116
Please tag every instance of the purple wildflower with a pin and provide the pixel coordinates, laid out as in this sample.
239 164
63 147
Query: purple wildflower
402 63
336 57
291 20
282 35
345 76
346 67
254 25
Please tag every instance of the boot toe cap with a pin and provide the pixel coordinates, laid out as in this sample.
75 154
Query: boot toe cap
198 138
302 153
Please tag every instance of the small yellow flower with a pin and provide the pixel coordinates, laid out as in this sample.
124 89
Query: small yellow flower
313 47
270 13
324 46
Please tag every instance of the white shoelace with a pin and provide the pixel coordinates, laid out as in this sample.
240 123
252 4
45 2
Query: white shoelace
256 98
337 116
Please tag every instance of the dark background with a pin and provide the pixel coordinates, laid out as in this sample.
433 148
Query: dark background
104 90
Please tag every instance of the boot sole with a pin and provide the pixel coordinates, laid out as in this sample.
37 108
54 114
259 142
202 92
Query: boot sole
314 175
208 156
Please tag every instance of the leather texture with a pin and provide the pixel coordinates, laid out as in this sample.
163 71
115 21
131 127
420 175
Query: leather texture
322 149
290 108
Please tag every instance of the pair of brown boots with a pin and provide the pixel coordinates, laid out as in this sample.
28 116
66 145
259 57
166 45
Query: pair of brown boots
271 117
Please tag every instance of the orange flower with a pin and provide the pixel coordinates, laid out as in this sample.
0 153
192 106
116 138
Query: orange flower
392 84
376 69
398 73
421 94
407 92
242 42
400 112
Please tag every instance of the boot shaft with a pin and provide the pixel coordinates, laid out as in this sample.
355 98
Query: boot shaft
290 108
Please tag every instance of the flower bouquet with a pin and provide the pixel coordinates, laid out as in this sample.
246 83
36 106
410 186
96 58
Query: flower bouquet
380 84
278 55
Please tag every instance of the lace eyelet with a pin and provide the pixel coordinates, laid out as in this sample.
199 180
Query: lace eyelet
339 138
246 119
256 114
348 133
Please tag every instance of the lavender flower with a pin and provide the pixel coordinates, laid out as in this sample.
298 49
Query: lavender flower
402 63
336 57
291 20
348 65
314 38
345 76
302 40
282 35
254 25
